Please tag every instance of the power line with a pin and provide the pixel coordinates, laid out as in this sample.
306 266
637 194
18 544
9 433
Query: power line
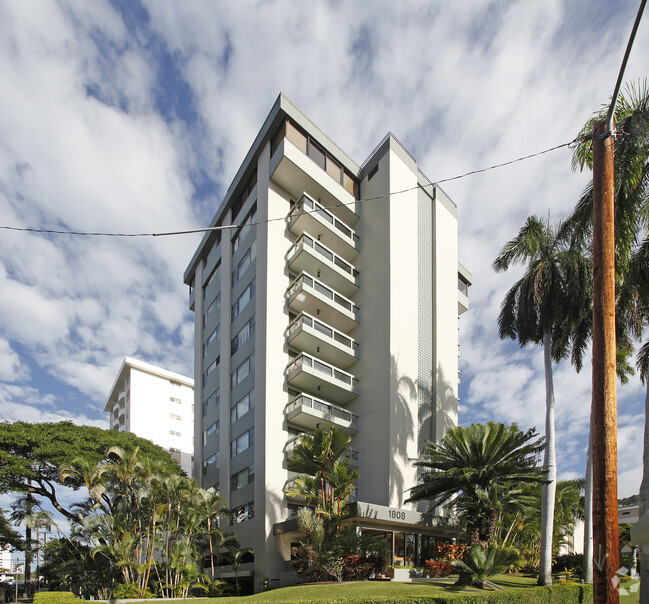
236 226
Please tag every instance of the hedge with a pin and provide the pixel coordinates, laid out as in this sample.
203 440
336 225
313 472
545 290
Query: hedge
555 594
55 597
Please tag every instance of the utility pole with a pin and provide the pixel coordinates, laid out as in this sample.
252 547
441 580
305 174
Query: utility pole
606 557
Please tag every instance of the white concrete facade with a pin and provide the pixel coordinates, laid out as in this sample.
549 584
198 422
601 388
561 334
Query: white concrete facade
355 310
155 404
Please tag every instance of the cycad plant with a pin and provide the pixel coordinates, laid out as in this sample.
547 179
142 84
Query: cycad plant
483 563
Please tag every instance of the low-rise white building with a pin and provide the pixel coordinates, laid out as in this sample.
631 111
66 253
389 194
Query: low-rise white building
156 404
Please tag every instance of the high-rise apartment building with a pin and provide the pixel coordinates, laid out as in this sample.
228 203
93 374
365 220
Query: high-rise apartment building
333 301
155 404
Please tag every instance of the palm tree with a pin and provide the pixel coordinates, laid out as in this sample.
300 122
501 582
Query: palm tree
238 556
210 509
471 465
643 365
569 507
546 306
318 455
24 510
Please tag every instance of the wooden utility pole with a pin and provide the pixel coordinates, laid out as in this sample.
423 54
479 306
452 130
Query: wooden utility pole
606 557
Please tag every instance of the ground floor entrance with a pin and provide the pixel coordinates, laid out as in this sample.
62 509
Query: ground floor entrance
407 548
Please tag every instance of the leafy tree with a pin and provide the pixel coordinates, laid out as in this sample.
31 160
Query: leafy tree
31 455
68 564
8 536
548 306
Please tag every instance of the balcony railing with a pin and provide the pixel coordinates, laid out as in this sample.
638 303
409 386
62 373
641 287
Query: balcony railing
334 346
316 213
344 315
304 360
307 253
311 411
310 374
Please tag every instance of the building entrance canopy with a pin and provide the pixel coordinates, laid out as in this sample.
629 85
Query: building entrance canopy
410 534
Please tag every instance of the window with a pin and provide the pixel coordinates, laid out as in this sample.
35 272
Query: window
214 306
243 442
212 368
214 277
244 263
243 196
215 335
243 336
213 429
244 229
242 407
316 154
173 399
211 460
243 478
213 399
175 417
174 433
243 299
242 371
244 512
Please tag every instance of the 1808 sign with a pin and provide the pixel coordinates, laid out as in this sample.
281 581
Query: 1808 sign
397 514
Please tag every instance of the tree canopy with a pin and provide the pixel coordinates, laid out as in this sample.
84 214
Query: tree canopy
33 454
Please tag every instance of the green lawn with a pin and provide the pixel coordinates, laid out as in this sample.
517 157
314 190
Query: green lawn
632 597
372 589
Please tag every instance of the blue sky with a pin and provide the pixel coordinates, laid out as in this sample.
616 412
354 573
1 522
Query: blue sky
133 116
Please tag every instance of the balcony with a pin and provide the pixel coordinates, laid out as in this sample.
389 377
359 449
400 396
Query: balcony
311 413
310 295
463 283
295 172
307 253
309 215
289 486
350 454
308 334
310 374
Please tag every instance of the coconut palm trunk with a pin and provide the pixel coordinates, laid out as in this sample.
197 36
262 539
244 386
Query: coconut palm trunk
644 501
550 462
587 567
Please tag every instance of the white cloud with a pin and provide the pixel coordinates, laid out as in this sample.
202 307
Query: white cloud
85 144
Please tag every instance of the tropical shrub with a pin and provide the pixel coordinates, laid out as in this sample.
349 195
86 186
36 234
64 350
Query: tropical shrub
568 563
449 551
438 568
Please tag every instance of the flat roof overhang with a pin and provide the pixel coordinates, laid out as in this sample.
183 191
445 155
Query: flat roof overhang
390 519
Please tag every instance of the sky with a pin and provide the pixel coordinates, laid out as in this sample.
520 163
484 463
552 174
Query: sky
133 116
